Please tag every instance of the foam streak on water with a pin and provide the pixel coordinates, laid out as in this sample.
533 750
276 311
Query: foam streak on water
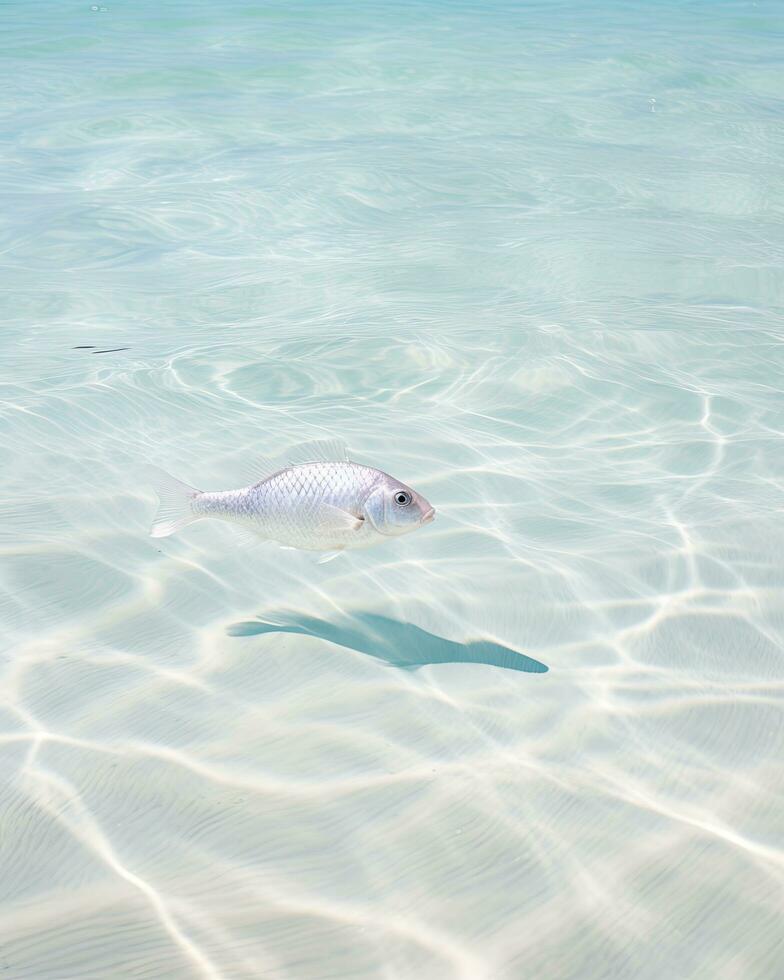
527 257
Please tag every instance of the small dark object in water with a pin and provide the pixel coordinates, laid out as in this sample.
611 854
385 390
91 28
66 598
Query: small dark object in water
83 347
111 350
399 644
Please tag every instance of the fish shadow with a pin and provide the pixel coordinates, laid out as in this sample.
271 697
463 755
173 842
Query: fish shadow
399 644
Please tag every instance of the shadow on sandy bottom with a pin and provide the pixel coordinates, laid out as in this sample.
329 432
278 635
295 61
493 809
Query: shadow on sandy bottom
399 644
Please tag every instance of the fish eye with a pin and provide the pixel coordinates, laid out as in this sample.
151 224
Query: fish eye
402 498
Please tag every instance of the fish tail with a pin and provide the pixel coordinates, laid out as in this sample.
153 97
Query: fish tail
175 511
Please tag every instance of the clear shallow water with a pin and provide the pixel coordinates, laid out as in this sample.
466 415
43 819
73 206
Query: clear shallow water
466 239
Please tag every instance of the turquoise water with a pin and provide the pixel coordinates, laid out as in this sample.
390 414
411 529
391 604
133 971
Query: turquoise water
528 258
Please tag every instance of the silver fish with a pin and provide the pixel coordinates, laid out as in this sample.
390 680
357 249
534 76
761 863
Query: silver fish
318 501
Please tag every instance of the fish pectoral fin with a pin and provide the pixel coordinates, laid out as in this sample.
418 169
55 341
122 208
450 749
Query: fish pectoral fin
328 557
335 519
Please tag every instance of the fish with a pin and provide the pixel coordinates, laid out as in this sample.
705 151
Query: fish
318 500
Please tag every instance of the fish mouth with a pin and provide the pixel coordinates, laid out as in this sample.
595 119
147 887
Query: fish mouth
429 516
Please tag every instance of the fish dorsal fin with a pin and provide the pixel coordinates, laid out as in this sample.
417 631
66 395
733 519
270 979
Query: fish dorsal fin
318 451
261 468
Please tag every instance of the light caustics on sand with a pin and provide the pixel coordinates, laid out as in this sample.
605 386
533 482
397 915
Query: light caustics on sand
540 737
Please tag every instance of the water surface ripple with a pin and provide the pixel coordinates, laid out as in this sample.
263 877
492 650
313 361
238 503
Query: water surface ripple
526 256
